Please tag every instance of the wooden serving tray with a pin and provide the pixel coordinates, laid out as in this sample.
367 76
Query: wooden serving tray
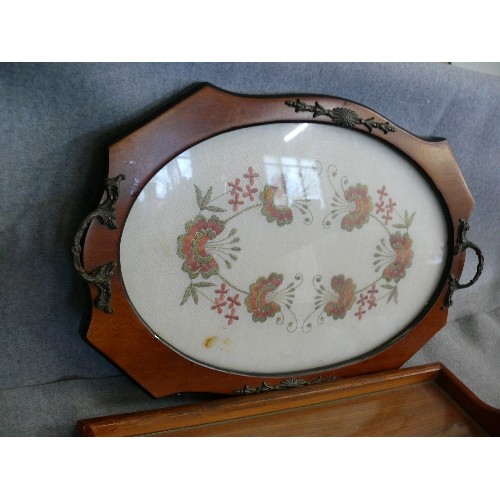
422 401
244 239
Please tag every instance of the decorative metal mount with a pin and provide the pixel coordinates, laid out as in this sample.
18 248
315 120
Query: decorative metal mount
344 117
101 275
284 384
461 246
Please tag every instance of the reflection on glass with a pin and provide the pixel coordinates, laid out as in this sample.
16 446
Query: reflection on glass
295 132
167 179
299 178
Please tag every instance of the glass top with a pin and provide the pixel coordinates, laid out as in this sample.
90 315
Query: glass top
283 248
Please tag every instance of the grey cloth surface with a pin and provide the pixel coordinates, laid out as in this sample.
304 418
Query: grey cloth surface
56 121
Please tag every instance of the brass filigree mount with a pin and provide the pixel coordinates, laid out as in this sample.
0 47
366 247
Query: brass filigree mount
100 277
284 384
344 117
462 245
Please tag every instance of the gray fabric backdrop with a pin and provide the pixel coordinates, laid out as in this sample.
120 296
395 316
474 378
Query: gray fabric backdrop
56 121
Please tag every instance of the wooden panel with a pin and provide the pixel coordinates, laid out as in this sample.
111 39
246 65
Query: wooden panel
406 402
417 410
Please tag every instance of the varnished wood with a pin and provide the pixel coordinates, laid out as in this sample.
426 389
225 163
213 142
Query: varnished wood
208 111
407 402
489 418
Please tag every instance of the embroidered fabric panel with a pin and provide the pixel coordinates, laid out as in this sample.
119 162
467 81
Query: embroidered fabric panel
284 247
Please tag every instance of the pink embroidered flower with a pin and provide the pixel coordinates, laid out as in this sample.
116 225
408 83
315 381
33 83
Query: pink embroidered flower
218 304
358 195
345 289
234 300
192 246
372 299
382 192
235 201
251 175
257 301
249 192
231 317
275 206
360 312
235 187
401 244
222 291
380 206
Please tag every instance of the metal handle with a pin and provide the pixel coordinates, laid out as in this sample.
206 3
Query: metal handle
101 275
462 245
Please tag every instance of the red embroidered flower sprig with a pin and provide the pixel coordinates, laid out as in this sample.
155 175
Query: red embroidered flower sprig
231 302
237 191
369 301
384 205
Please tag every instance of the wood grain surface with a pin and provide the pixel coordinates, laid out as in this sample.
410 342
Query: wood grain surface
407 402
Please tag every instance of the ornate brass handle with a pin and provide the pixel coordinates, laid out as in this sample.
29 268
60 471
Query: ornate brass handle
461 246
101 275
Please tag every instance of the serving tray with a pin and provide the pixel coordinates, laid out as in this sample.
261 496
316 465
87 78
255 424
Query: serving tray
253 243
423 401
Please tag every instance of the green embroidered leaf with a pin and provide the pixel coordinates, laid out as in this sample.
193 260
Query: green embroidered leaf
194 292
410 220
393 295
233 231
204 200
400 226
186 296
207 196
204 284
212 208
228 264
199 197
389 287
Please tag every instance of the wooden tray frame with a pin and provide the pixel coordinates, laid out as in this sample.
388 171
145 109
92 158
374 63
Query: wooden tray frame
425 401
205 112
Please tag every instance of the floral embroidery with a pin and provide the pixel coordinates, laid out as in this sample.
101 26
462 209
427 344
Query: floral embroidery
205 246
218 305
257 301
354 201
363 206
237 191
231 316
344 289
208 242
251 175
368 300
392 259
275 206
401 246
192 246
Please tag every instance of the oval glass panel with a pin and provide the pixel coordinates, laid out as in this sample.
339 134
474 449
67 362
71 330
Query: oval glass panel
283 248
